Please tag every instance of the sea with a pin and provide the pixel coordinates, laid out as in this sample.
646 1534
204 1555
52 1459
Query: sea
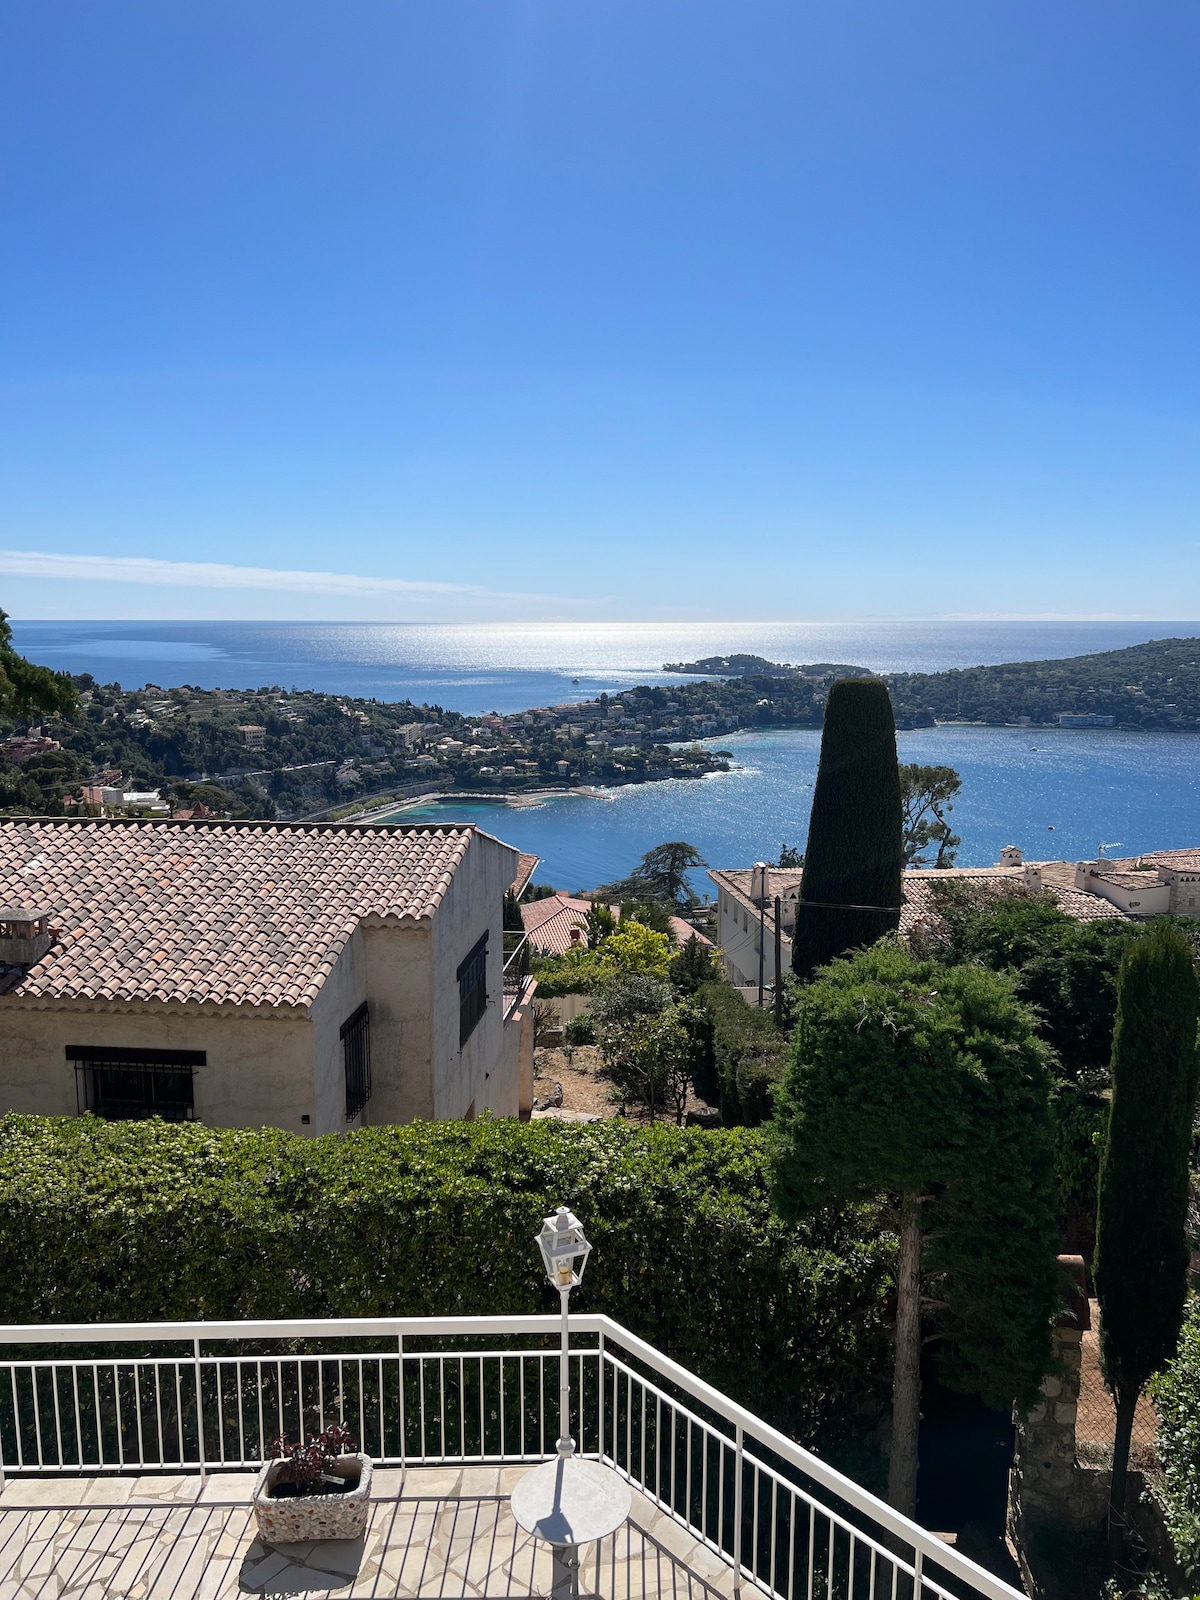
1055 793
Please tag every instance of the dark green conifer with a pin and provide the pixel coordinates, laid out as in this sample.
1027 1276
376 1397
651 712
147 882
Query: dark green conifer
850 894
1141 1242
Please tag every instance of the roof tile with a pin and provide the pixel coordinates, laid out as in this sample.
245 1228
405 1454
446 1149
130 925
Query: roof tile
213 912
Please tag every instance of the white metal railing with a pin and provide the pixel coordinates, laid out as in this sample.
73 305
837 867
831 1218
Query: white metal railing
201 1396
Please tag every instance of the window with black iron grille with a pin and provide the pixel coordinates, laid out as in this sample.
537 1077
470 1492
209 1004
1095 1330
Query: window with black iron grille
127 1085
472 991
356 1057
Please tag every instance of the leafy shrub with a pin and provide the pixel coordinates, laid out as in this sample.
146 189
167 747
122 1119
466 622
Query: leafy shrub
692 965
1078 1120
748 1054
580 1029
634 948
1176 1396
144 1221
625 999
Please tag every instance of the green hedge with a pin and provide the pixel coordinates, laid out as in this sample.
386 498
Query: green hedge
148 1221
1176 1395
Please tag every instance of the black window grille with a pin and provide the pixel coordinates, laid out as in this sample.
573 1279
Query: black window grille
356 1057
129 1085
472 990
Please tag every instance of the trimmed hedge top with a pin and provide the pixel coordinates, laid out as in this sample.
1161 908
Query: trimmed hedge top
151 1221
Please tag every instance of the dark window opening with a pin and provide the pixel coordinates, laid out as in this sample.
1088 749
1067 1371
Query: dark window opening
472 991
356 1058
129 1085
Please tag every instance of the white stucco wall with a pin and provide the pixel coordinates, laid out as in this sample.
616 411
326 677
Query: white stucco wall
343 991
400 991
259 1071
482 1073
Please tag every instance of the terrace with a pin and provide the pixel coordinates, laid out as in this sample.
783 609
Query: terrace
128 1454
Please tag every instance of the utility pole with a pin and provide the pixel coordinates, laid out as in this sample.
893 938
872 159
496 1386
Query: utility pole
778 964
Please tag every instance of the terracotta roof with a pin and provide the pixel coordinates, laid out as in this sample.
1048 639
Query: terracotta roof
526 867
917 898
549 922
217 912
920 903
1172 860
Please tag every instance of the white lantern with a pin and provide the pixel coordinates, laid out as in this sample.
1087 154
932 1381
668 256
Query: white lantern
564 1249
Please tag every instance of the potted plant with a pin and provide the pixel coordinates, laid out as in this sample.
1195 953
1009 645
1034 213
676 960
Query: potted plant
316 1488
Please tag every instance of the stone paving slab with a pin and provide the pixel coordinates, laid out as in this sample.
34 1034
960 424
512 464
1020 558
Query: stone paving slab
434 1534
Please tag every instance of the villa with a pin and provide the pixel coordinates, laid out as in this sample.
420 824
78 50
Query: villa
1087 891
311 977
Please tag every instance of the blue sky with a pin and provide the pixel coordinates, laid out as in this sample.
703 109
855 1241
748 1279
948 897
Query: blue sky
599 308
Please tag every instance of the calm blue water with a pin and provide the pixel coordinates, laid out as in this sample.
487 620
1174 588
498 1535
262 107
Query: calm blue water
1058 800
511 666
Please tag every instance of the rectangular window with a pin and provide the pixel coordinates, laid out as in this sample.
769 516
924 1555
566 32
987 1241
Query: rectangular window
472 991
129 1085
355 1035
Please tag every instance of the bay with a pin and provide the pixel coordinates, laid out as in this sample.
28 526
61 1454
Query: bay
1056 793
478 667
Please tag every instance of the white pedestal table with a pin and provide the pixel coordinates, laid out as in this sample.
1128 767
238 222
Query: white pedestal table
570 1502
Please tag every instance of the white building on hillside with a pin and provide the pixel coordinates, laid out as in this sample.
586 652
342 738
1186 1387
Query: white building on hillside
738 911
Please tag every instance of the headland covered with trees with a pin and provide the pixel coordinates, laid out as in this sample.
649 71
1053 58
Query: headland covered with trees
1154 685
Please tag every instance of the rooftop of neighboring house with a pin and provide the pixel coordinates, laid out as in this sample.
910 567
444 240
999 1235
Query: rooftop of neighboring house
557 922
918 895
213 912
526 867
1168 860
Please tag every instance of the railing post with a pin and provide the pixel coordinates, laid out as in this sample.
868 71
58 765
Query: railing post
739 1442
400 1381
199 1413
600 1394
918 1574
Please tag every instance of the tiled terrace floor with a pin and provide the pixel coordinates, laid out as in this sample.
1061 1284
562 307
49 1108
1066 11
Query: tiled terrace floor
442 1533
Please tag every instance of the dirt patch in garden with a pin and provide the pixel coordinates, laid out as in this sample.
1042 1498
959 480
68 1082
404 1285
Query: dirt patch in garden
586 1086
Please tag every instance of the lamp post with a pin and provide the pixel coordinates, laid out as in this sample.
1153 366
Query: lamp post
568 1502
564 1254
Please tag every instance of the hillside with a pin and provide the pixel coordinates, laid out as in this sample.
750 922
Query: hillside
1154 685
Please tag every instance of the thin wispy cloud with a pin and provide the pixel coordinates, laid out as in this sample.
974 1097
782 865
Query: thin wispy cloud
222 575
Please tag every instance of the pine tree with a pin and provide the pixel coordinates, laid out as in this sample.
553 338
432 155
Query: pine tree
850 893
1141 1243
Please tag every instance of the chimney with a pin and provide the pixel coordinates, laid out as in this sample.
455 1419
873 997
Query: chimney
24 935
1010 856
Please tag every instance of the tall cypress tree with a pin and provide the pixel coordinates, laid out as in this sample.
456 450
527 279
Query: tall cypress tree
1141 1244
850 893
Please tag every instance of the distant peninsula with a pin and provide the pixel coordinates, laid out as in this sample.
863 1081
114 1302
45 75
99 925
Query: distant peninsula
741 666
1144 686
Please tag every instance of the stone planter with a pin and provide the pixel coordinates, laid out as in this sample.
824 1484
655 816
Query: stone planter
299 1519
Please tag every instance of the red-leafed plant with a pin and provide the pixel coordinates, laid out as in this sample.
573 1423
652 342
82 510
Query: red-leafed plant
309 1462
